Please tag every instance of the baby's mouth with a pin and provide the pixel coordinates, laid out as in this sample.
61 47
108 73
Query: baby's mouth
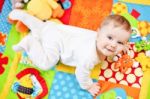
110 50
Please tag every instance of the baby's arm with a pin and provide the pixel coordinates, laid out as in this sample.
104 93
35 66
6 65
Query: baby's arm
83 76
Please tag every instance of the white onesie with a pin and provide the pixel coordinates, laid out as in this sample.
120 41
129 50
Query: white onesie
50 42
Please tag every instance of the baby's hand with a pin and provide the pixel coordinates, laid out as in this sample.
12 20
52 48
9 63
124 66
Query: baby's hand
126 48
94 89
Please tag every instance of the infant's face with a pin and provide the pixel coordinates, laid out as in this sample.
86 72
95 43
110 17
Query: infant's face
111 41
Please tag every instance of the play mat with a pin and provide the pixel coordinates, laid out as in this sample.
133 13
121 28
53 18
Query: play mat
19 79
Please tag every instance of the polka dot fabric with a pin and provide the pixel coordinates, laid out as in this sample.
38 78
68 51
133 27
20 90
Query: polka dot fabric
4 25
65 86
132 77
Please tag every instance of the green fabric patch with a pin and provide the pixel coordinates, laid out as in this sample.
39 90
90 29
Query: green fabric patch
148 93
131 19
108 95
13 38
128 97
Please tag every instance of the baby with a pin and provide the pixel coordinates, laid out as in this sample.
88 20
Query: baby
50 42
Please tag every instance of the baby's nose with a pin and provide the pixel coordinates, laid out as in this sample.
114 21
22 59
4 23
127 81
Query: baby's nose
113 44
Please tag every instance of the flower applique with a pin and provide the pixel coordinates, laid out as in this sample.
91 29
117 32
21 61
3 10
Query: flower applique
124 63
143 60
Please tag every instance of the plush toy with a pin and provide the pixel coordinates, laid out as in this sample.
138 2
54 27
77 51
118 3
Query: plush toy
30 84
45 9
143 60
18 3
42 9
144 27
124 63
24 87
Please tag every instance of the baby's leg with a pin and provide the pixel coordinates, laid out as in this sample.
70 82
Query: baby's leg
23 45
36 53
33 23
52 50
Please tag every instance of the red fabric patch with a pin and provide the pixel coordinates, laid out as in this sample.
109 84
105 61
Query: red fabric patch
3 60
130 80
131 77
1 4
135 13
66 17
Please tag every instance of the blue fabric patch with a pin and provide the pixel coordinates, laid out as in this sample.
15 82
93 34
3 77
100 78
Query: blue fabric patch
142 9
65 86
4 25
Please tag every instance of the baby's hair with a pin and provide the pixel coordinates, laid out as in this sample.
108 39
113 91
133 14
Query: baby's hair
118 21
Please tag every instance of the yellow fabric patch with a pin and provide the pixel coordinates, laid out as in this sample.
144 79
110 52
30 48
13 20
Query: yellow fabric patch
11 76
145 84
70 69
144 2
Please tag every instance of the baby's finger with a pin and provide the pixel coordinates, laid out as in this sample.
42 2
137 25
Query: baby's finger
125 50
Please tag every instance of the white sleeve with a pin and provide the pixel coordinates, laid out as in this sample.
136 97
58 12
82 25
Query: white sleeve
82 72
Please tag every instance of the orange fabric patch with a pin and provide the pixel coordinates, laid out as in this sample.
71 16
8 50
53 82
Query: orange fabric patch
2 38
131 91
90 13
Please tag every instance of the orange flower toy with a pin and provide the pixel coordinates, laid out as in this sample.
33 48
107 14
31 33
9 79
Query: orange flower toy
124 63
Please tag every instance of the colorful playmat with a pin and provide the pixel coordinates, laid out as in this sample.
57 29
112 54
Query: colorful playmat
19 79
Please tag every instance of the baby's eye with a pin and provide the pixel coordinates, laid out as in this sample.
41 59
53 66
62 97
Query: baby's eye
109 37
120 43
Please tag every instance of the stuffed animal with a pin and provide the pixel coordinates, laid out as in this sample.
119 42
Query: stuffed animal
42 9
30 84
124 63
143 60
24 87
45 9
18 3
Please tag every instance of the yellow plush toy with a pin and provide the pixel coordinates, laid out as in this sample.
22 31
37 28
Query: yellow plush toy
144 61
45 9
42 9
